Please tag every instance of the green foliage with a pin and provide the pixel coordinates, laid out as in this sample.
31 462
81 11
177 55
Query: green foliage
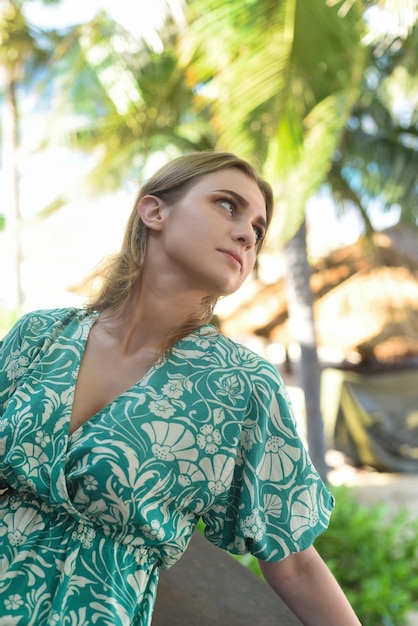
374 556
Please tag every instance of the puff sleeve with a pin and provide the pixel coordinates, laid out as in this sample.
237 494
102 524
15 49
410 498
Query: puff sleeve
277 503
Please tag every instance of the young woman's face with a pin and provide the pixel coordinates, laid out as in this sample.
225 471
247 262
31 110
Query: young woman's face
208 240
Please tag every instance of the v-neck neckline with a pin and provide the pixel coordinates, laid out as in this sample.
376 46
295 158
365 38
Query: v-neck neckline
94 316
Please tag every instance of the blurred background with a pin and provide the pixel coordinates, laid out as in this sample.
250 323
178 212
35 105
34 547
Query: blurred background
322 96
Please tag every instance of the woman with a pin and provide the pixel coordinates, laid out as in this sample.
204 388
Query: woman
125 423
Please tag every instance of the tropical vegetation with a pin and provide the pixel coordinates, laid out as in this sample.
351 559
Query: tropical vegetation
310 91
306 89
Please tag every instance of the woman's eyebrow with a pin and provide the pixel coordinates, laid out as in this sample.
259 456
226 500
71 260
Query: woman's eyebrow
243 202
236 195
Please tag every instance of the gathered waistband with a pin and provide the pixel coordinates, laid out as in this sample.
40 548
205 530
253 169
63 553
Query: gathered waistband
80 527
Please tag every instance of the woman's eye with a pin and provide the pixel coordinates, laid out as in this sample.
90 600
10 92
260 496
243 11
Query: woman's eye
259 233
228 205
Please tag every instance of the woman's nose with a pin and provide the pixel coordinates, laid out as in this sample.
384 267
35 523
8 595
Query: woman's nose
245 235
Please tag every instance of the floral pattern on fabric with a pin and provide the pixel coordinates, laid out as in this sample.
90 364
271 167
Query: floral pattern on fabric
88 519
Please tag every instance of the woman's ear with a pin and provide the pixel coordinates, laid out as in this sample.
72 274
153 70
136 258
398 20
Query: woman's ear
152 210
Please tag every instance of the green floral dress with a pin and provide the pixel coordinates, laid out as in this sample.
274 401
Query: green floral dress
87 520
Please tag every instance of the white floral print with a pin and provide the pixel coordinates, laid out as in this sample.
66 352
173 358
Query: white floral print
209 439
231 387
85 534
90 483
161 408
208 432
173 389
42 439
153 530
13 602
253 526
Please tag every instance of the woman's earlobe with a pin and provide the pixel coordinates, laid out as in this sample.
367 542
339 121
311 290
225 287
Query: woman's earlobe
151 209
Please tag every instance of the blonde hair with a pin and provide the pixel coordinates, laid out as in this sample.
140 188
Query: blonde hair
170 184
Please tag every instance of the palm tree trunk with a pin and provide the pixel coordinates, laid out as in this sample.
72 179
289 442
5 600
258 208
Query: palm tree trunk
11 193
300 303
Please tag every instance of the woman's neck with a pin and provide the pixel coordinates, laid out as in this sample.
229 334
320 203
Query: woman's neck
148 320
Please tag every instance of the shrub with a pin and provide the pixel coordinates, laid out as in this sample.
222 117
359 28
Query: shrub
374 556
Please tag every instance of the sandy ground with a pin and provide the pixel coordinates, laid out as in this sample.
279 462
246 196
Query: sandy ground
372 487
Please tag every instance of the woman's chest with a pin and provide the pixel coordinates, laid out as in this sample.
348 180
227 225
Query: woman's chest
103 376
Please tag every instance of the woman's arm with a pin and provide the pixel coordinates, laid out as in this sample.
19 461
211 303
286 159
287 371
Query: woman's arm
306 585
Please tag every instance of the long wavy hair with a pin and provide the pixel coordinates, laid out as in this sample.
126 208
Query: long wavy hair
122 274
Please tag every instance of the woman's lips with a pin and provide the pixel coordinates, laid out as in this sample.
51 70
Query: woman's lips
234 256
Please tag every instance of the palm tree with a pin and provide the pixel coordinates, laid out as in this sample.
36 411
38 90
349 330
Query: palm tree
278 82
129 100
23 50
377 158
113 94
285 76
17 45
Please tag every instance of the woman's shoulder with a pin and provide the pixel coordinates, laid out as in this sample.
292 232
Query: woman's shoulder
40 322
49 317
244 358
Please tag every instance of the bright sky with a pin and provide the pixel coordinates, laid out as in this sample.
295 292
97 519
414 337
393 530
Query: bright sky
390 17
141 17
64 14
